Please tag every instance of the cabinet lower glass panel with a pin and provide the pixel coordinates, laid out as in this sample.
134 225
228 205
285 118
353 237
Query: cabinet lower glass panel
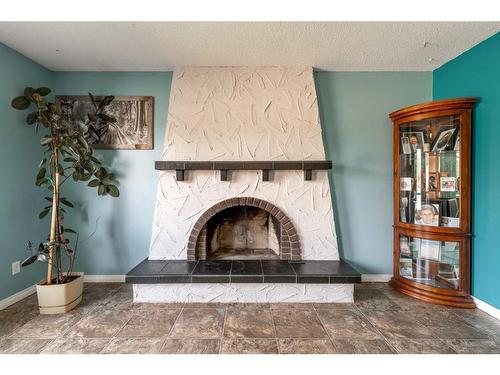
429 262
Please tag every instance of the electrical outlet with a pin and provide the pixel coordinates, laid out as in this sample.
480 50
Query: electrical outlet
16 267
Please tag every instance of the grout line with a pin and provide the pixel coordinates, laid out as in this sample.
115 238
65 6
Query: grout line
221 337
274 330
324 328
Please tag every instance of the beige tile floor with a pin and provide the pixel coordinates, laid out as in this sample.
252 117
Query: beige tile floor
379 321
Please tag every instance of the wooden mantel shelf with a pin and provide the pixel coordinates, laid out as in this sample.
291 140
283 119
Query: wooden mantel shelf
224 166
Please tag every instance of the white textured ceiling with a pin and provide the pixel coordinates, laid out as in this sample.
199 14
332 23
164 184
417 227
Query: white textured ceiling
160 46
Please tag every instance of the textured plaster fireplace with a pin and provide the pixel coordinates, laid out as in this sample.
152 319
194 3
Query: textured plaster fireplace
243 114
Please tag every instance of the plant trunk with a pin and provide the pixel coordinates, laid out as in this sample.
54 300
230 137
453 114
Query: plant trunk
53 221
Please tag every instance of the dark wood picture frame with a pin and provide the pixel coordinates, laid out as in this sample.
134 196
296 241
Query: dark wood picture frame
459 294
146 115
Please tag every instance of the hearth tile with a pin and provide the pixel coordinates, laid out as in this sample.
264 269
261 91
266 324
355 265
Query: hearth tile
190 346
138 279
277 268
347 324
280 279
345 279
178 267
213 268
246 267
248 322
247 279
198 323
306 346
249 346
173 279
353 346
133 345
148 267
210 279
297 323
313 279
323 267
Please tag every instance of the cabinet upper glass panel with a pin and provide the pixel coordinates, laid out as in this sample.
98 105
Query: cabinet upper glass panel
429 172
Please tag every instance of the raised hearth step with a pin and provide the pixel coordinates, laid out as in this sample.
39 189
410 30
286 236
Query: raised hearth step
243 271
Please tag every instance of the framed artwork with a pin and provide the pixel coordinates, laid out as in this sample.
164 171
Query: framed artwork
133 129
406 267
448 184
405 183
443 140
429 249
428 214
405 145
416 140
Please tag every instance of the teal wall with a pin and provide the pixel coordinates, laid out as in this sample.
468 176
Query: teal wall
124 223
357 133
354 111
20 154
477 73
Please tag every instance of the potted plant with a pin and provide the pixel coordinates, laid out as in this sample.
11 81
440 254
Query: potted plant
67 155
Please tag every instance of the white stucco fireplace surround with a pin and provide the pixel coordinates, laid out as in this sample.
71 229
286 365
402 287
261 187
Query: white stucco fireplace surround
243 114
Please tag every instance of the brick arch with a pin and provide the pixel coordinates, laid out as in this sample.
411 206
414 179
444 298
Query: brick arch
289 241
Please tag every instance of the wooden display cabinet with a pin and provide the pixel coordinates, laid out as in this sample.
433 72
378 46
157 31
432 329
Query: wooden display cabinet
432 201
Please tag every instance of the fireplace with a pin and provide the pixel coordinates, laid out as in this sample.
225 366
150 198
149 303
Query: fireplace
243 228
244 210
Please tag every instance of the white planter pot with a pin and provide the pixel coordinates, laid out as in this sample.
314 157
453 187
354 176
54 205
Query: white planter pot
59 298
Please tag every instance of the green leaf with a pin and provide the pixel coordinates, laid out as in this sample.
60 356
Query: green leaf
48 199
95 160
42 162
45 141
68 230
28 93
66 202
101 190
29 260
41 173
101 173
41 182
43 91
60 169
69 159
20 103
93 183
82 142
113 191
85 177
32 118
44 213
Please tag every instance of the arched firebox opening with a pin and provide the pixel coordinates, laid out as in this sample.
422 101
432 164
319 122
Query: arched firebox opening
243 228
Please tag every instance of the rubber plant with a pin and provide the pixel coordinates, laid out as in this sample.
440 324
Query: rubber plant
67 155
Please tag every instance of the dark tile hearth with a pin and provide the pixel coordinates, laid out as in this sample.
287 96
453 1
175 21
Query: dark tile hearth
243 271
108 321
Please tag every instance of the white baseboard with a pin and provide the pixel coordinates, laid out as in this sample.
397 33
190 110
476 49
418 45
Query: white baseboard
6 302
375 278
104 278
487 308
